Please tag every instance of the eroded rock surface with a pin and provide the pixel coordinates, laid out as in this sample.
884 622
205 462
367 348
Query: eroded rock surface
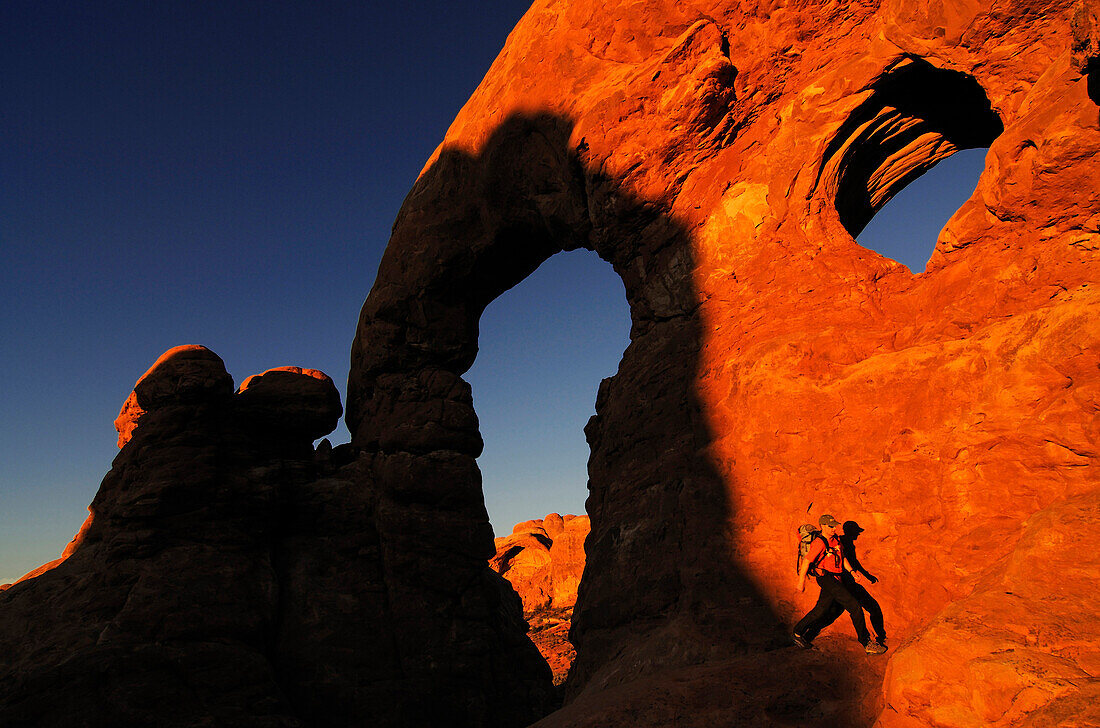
543 560
720 156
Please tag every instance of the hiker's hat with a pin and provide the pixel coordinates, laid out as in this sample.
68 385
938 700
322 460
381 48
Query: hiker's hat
828 520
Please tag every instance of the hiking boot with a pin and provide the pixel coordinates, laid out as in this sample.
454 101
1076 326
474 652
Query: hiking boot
800 641
874 648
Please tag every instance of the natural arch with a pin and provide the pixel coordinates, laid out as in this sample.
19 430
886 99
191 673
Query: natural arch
905 229
525 195
544 347
774 368
916 116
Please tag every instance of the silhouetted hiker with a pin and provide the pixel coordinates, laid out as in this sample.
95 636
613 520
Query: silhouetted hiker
826 561
869 603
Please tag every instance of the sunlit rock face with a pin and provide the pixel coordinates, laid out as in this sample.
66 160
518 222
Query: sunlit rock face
543 560
721 157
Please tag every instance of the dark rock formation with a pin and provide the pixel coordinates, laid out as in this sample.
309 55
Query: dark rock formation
225 578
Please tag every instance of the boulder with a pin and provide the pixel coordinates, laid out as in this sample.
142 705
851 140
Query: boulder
182 375
292 400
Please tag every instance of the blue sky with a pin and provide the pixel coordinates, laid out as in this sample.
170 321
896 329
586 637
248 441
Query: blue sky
226 173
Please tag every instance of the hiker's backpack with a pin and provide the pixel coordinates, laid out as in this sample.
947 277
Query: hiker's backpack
807 534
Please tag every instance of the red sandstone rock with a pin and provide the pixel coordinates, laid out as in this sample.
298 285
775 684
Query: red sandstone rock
524 560
722 157
544 570
567 561
543 560
183 375
550 634
187 373
69 550
1026 640
553 524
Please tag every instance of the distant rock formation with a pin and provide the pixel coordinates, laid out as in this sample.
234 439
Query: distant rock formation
543 560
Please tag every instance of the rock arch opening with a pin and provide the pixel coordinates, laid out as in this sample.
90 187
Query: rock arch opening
916 116
907 226
543 348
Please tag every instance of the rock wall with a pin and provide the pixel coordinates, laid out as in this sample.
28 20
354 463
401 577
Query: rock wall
543 560
721 157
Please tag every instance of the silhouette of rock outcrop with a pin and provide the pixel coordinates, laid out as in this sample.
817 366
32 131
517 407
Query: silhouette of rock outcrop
203 587
719 156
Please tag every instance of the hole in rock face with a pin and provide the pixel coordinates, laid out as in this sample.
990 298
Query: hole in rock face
543 348
916 116
906 228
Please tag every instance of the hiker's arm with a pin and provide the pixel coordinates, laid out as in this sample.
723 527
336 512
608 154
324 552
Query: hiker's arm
856 567
858 570
811 555
802 575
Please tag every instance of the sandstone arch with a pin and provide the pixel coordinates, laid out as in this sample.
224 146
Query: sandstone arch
821 374
915 116
526 195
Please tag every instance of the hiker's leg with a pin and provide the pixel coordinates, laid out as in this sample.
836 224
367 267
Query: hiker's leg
840 594
833 611
824 601
869 604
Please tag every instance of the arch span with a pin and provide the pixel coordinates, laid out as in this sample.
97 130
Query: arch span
660 512
915 116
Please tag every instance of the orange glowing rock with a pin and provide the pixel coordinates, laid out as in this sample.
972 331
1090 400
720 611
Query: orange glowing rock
183 374
70 548
543 559
722 157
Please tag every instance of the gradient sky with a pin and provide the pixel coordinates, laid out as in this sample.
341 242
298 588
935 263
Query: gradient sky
226 173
